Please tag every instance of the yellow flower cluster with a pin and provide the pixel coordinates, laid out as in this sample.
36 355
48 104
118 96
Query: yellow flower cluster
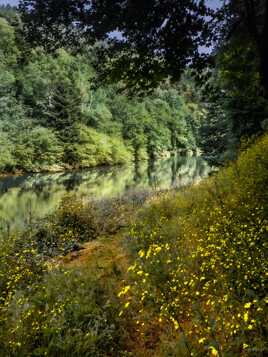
202 259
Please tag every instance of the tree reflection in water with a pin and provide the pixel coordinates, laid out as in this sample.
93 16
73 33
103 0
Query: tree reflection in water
24 198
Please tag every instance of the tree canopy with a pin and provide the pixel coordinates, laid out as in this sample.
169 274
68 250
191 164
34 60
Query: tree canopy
53 117
143 39
143 42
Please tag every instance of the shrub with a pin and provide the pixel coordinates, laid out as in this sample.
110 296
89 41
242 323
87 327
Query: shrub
37 149
201 262
77 221
91 148
7 161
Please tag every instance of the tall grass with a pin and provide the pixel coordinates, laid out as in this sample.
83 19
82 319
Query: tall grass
190 278
52 307
201 264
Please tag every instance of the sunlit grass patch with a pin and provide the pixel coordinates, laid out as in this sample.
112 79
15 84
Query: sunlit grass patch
201 260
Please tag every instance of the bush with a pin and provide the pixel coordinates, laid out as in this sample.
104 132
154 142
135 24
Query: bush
201 262
77 221
47 310
7 161
73 223
37 150
91 148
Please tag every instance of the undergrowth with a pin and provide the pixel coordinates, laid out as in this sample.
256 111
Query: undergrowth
51 307
201 264
187 278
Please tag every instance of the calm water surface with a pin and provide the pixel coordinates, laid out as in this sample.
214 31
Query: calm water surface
24 198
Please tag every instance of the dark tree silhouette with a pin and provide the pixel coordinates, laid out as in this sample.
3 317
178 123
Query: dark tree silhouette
154 39
143 42
249 18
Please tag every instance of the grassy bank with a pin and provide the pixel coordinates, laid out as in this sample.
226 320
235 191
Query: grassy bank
201 264
177 274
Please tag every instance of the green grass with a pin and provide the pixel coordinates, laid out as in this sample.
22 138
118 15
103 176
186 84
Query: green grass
188 276
64 308
58 302
201 263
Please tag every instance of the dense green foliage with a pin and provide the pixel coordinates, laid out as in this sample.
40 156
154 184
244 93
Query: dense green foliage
156 39
201 263
190 277
150 41
51 117
54 116
186 273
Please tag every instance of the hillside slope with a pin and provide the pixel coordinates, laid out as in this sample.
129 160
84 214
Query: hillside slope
201 263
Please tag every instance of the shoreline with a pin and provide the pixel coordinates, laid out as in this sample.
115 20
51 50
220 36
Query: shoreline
60 170
54 169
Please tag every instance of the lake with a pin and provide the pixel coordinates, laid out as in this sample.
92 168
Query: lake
25 198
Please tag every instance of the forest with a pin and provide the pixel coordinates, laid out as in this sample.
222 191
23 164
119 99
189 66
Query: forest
53 116
105 85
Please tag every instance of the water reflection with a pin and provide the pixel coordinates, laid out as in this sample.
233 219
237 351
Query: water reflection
23 198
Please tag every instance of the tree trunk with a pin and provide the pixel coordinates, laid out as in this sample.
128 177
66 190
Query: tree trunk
257 24
263 49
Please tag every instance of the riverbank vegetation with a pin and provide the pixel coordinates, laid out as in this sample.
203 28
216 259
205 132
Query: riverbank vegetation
201 263
185 275
54 118
57 113
181 272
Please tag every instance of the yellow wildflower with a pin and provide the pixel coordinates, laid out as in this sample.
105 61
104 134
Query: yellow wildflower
124 291
213 351
202 340
247 305
141 253
176 324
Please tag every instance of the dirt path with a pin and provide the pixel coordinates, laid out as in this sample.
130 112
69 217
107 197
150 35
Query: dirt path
101 253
